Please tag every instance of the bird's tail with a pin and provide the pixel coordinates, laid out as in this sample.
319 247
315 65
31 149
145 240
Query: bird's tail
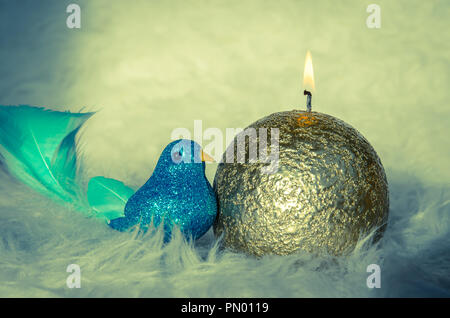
38 147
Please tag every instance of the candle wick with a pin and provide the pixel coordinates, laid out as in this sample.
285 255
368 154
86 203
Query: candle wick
308 100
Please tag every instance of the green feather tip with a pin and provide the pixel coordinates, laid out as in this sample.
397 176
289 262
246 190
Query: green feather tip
107 197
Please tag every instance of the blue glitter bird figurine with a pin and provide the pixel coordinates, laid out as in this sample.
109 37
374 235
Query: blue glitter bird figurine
38 147
177 193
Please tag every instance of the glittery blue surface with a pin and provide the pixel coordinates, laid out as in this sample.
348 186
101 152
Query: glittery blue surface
177 193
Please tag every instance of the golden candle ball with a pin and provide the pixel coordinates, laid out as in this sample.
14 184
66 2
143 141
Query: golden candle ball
329 190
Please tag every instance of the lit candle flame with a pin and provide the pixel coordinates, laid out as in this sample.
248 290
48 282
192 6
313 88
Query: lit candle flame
308 74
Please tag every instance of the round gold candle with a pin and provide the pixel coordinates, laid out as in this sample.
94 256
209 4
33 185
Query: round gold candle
330 189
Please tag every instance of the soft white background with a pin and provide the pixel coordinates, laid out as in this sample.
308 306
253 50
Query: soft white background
149 67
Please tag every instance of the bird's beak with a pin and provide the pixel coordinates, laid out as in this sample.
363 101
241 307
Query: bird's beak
206 157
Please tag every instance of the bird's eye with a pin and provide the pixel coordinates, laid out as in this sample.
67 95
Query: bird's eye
177 155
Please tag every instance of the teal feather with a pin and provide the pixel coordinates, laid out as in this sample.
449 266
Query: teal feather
108 197
38 147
